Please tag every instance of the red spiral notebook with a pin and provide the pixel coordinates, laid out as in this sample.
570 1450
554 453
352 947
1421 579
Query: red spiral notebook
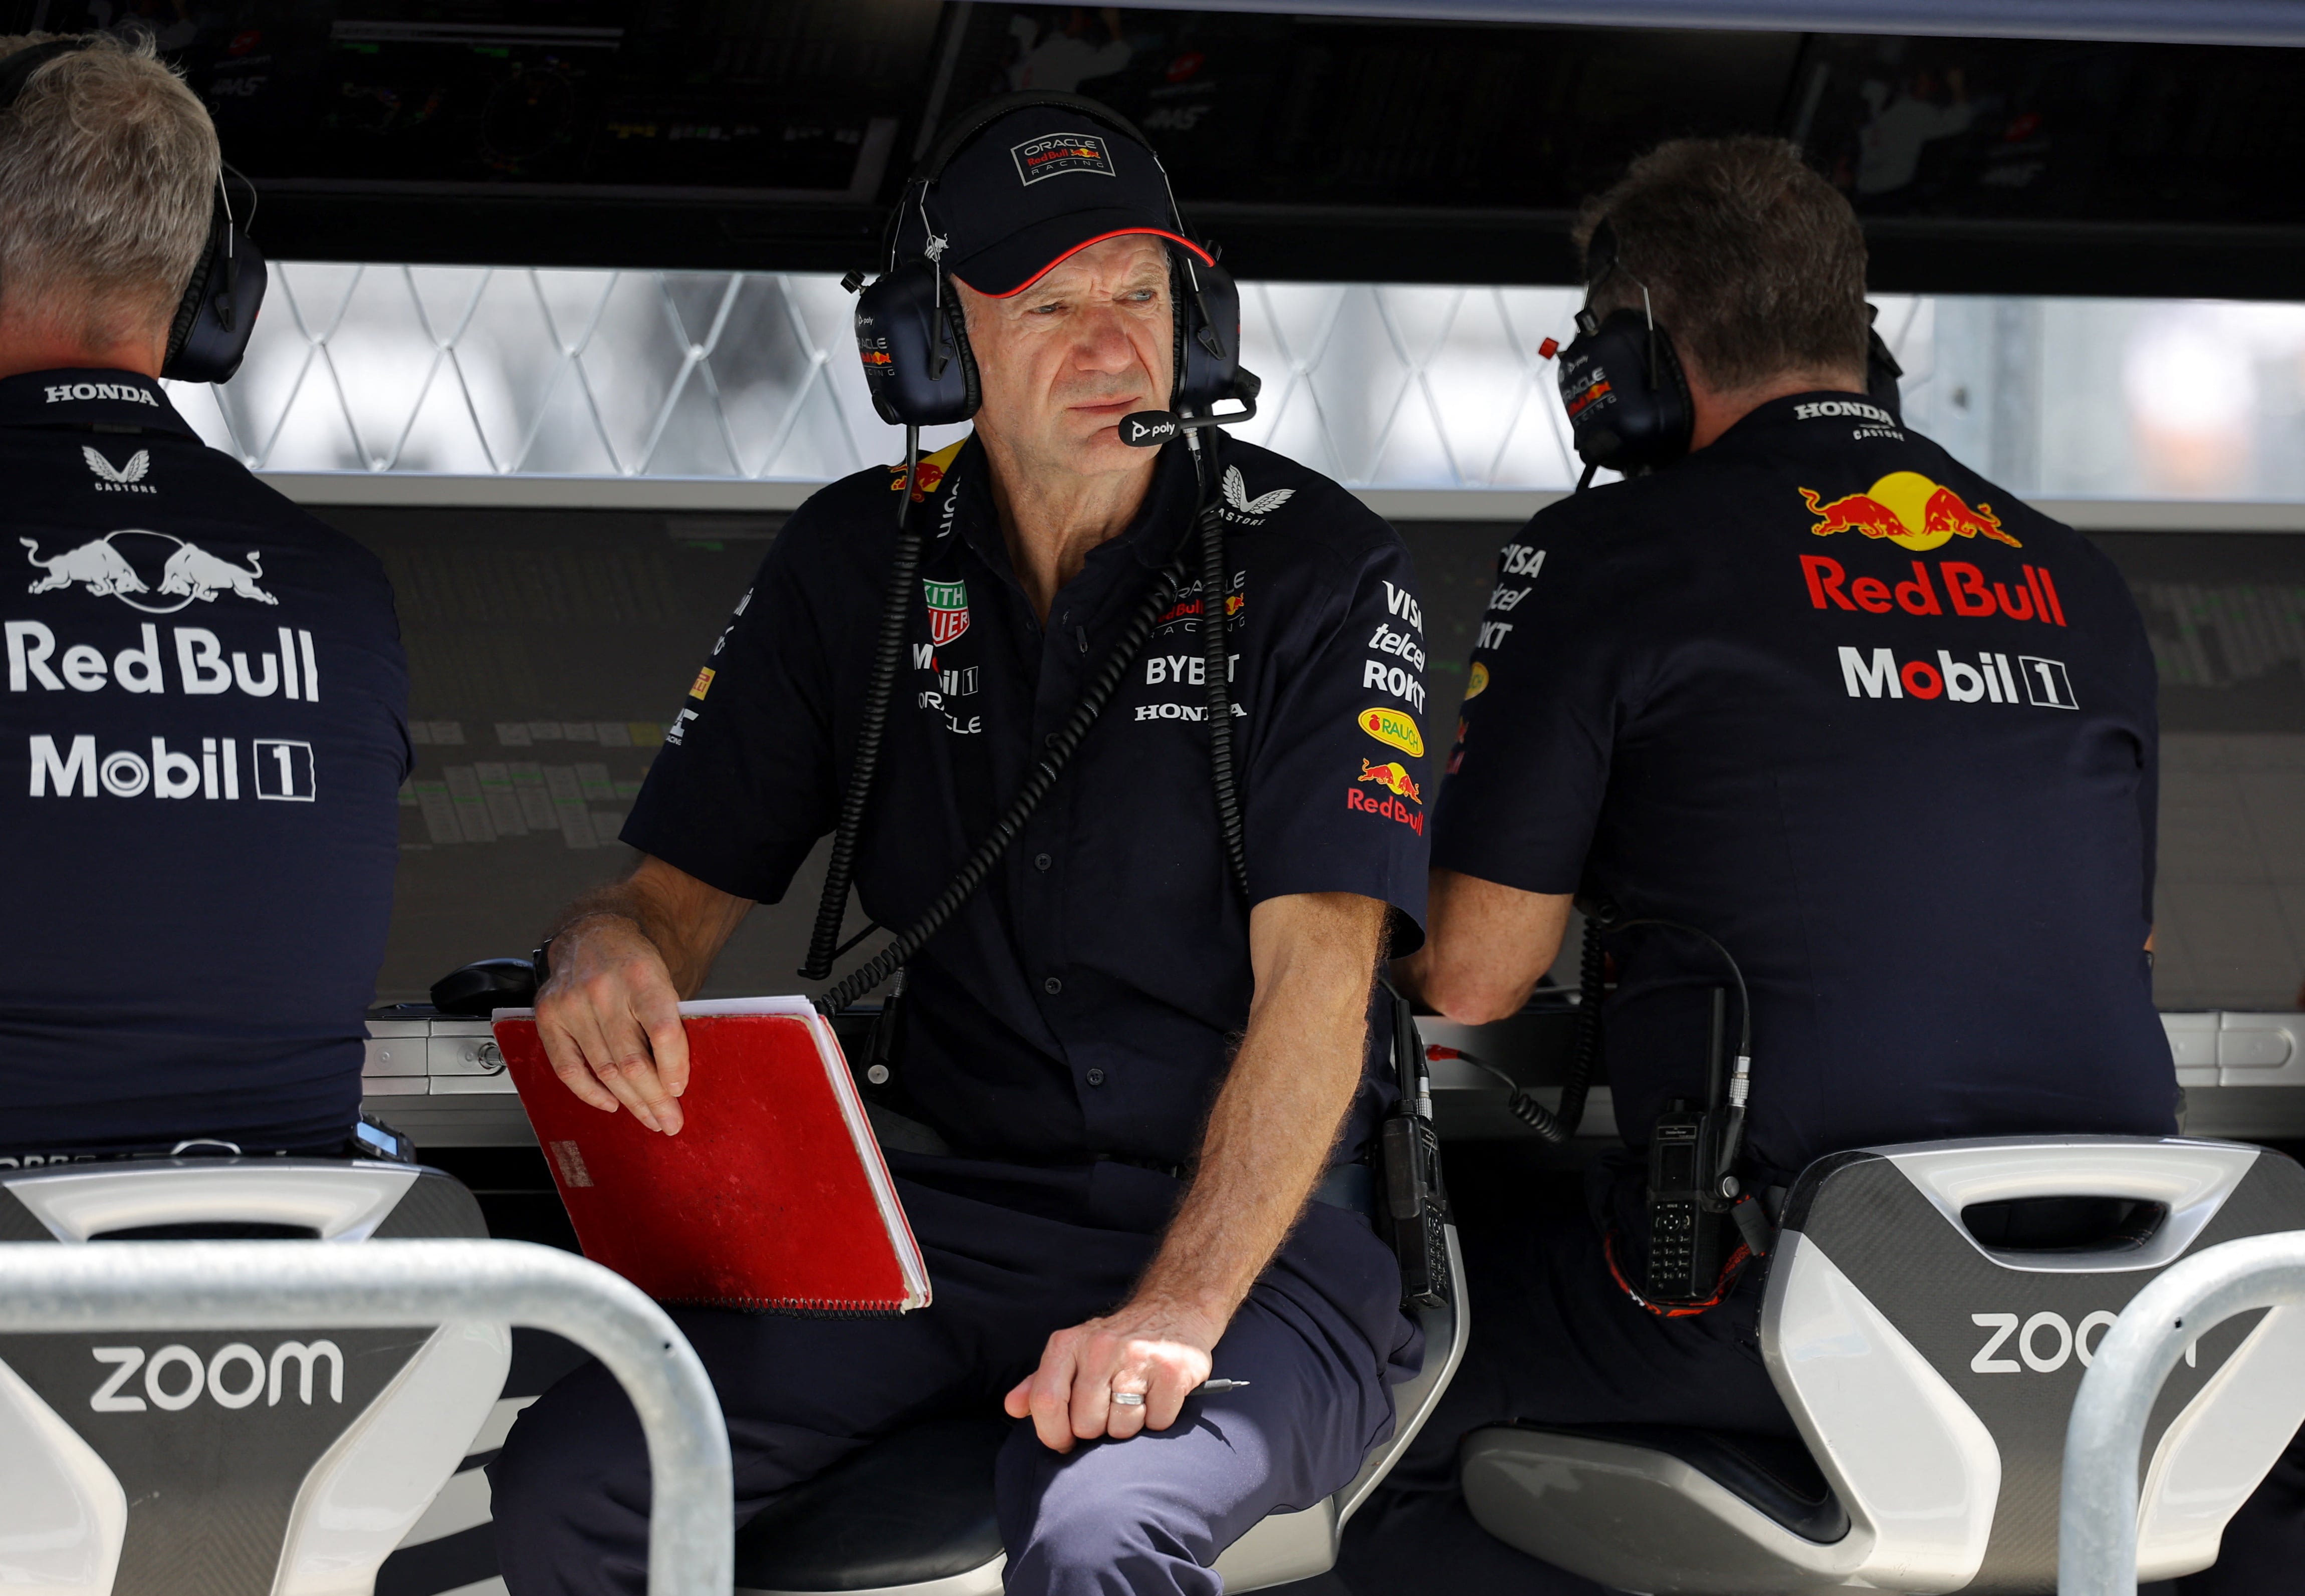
774 1195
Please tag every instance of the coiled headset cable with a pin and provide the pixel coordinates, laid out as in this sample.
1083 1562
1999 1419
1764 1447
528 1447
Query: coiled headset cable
1216 597
1061 746
887 659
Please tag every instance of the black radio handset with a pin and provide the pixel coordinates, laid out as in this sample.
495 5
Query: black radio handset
1416 1204
1693 1153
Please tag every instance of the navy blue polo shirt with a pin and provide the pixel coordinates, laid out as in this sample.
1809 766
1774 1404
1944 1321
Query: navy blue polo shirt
200 743
1887 732
1087 998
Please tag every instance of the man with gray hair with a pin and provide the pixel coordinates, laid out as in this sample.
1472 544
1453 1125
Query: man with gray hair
204 724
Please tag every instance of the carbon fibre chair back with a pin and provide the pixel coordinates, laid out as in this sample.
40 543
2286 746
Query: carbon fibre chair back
221 1463
1930 1310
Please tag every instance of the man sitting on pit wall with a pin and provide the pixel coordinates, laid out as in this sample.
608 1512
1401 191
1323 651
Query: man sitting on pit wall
1155 1083
1822 693
204 727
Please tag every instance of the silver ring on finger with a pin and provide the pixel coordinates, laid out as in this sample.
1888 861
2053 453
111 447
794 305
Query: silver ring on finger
1128 1400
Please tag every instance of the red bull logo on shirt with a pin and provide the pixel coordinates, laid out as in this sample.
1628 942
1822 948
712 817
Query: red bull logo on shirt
1393 778
1909 510
1400 794
928 476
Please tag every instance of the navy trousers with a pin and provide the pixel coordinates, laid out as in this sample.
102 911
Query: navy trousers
1013 1254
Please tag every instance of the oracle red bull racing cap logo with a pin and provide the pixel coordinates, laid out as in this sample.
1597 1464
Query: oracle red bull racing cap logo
1909 510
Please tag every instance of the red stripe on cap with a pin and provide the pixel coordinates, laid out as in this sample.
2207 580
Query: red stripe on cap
1206 259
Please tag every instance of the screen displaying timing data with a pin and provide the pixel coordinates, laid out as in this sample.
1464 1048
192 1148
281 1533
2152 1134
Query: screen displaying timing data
803 98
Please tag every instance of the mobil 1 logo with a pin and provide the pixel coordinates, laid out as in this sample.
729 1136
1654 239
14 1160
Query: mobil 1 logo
1991 677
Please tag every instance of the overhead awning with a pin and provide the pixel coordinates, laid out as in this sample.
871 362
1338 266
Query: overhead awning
2158 22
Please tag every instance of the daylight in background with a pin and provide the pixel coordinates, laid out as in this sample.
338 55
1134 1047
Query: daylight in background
736 374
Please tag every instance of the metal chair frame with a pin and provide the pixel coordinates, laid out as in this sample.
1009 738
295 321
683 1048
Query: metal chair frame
217 1286
2096 1514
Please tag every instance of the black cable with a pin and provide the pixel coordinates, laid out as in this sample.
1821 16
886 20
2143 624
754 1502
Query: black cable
1732 1136
1557 1125
887 659
1217 661
1061 746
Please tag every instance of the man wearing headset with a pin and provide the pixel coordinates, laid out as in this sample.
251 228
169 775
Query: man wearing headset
1810 687
1147 1091
204 722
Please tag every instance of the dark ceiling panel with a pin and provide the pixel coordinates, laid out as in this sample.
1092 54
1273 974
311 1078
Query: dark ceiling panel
708 134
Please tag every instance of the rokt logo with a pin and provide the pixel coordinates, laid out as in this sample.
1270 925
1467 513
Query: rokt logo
1908 509
235 1377
191 573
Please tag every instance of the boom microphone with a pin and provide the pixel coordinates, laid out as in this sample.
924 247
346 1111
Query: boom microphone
1149 429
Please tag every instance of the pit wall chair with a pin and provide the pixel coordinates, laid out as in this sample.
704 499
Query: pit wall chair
1930 1310
206 1463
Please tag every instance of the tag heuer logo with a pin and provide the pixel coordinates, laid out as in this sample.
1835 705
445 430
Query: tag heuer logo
124 479
948 610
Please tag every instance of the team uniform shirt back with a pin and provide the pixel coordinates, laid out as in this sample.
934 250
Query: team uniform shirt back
1085 999
204 733
1885 733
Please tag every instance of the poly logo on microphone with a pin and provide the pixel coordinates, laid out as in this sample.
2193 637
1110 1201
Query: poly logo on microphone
1145 429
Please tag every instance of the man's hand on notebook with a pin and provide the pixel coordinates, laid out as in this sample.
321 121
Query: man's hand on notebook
620 962
1157 1350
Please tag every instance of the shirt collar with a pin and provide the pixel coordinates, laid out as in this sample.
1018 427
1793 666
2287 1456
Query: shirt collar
89 398
1776 416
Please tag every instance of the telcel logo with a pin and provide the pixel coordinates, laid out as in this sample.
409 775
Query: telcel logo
175 1377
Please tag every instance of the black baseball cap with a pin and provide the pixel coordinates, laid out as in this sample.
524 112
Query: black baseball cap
1022 189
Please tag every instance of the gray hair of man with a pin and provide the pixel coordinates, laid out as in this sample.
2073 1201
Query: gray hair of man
108 169
1752 261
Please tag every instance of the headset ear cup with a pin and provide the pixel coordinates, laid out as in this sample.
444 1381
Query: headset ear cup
1204 376
216 316
1621 419
914 345
1676 411
964 354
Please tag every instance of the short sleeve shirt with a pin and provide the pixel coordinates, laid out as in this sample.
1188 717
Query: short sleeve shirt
1887 733
200 743
1085 1000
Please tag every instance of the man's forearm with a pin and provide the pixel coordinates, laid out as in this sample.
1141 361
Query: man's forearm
1274 1126
687 921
